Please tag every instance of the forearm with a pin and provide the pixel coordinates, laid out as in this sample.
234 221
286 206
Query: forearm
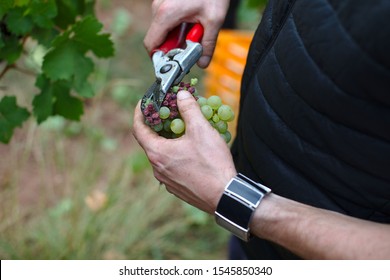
314 233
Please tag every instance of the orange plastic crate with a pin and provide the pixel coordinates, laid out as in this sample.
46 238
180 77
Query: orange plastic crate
224 74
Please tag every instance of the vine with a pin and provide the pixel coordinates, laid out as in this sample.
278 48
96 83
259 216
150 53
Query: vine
70 34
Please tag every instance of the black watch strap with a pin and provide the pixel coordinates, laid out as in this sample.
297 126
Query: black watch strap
237 204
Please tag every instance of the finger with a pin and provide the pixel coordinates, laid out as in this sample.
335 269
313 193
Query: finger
189 109
209 41
163 22
212 23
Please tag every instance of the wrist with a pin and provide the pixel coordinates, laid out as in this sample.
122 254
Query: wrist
264 216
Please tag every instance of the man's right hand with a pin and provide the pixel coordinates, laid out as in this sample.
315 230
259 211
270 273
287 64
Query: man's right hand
167 14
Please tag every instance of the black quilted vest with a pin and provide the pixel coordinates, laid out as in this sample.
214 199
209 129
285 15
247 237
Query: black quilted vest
314 120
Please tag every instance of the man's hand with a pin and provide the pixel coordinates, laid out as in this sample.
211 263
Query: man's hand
195 167
167 14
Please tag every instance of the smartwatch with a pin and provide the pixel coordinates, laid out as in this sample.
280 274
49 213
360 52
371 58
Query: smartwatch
238 202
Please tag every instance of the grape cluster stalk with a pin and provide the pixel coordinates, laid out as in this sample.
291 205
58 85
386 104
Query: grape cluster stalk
168 123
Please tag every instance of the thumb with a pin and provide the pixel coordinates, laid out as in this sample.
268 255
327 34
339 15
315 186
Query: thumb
189 109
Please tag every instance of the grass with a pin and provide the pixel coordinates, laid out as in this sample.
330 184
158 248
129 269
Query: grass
136 219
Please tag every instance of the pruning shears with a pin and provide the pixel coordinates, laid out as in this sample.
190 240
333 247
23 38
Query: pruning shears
173 60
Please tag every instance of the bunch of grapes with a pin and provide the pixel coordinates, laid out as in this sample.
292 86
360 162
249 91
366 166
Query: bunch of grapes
168 122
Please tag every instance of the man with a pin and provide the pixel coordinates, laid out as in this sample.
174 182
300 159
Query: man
314 127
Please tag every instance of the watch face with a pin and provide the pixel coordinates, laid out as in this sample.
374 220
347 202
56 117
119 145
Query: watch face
245 191
234 210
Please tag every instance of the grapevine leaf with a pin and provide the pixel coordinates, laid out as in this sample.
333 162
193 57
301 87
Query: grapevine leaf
55 99
68 10
86 35
11 116
64 61
89 8
2 44
22 2
43 103
44 36
43 12
11 49
67 106
5 5
61 39
17 22
81 73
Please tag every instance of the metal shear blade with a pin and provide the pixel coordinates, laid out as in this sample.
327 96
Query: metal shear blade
153 95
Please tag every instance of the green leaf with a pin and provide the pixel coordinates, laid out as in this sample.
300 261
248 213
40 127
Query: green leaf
81 72
43 103
68 10
5 5
55 99
11 116
17 22
43 12
11 49
62 62
68 106
20 3
86 34
61 39
2 44
89 8
44 36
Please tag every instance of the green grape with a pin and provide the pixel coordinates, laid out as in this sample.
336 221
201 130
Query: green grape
167 125
221 126
231 118
177 126
207 111
226 136
175 89
164 112
158 127
215 118
202 101
212 123
214 102
225 112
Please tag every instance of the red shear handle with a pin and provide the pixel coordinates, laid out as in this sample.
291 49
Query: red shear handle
196 33
178 36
